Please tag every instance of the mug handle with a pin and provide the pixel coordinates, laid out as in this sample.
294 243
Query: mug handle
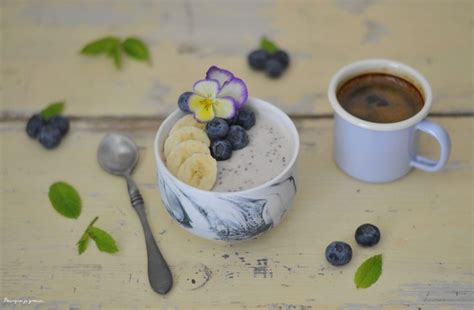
444 141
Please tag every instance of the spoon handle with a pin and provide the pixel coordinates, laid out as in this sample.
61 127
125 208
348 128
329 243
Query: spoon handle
159 273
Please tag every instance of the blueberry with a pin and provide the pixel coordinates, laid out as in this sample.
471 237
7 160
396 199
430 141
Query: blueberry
61 123
367 235
183 101
232 121
246 118
237 137
257 59
282 57
35 123
221 150
273 68
338 253
217 129
49 136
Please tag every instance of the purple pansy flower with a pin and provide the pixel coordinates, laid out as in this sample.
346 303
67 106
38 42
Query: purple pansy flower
220 94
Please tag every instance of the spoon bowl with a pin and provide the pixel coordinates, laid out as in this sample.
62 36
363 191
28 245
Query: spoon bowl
117 154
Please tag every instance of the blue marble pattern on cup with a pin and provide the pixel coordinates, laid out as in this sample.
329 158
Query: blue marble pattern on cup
227 216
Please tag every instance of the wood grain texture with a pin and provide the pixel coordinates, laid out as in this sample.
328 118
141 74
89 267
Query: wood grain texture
425 220
41 43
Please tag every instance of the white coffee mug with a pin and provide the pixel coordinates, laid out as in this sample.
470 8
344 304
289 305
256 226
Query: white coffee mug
383 152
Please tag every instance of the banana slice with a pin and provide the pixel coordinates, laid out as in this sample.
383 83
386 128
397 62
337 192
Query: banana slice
187 121
199 170
184 134
182 151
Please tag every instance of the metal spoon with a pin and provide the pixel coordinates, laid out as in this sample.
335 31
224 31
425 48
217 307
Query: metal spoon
118 154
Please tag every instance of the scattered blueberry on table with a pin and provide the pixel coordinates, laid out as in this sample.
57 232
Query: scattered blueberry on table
273 68
61 123
269 58
49 136
35 123
258 58
49 127
282 57
367 235
338 253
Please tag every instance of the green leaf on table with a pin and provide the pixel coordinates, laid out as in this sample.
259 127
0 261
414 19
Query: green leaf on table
368 272
52 109
83 243
136 48
100 46
116 54
103 240
65 199
268 45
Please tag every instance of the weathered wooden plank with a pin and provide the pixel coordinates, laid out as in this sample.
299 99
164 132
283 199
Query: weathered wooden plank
425 219
41 43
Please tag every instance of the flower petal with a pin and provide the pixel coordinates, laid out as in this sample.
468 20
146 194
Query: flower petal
206 88
225 107
201 108
221 75
236 89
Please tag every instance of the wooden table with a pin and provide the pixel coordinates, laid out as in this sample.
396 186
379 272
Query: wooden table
426 219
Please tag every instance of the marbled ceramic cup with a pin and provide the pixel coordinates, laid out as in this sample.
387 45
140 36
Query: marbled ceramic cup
229 215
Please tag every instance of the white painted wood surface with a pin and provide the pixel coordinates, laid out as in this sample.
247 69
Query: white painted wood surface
426 219
42 39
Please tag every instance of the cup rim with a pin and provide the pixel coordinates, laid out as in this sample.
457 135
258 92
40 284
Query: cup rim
289 125
380 65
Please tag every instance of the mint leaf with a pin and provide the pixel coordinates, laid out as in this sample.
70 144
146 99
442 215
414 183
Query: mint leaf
103 240
368 272
65 199
268 46
116 54
100 46
83 243
52 109
136 48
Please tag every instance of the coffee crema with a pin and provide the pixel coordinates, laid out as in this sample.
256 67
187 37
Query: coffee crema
380 98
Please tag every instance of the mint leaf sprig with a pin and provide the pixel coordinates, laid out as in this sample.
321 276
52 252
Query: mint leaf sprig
100 46
113 47
52 109
103 240
368 272
267 45
66 200
135 48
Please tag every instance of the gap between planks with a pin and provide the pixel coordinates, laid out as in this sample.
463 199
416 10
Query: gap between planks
11 117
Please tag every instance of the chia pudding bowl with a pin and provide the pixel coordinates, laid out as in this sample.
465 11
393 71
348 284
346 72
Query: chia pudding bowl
253 189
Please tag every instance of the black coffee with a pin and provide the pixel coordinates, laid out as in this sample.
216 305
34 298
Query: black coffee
380 98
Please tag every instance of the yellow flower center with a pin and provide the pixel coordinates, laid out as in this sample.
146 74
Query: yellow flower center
207 103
